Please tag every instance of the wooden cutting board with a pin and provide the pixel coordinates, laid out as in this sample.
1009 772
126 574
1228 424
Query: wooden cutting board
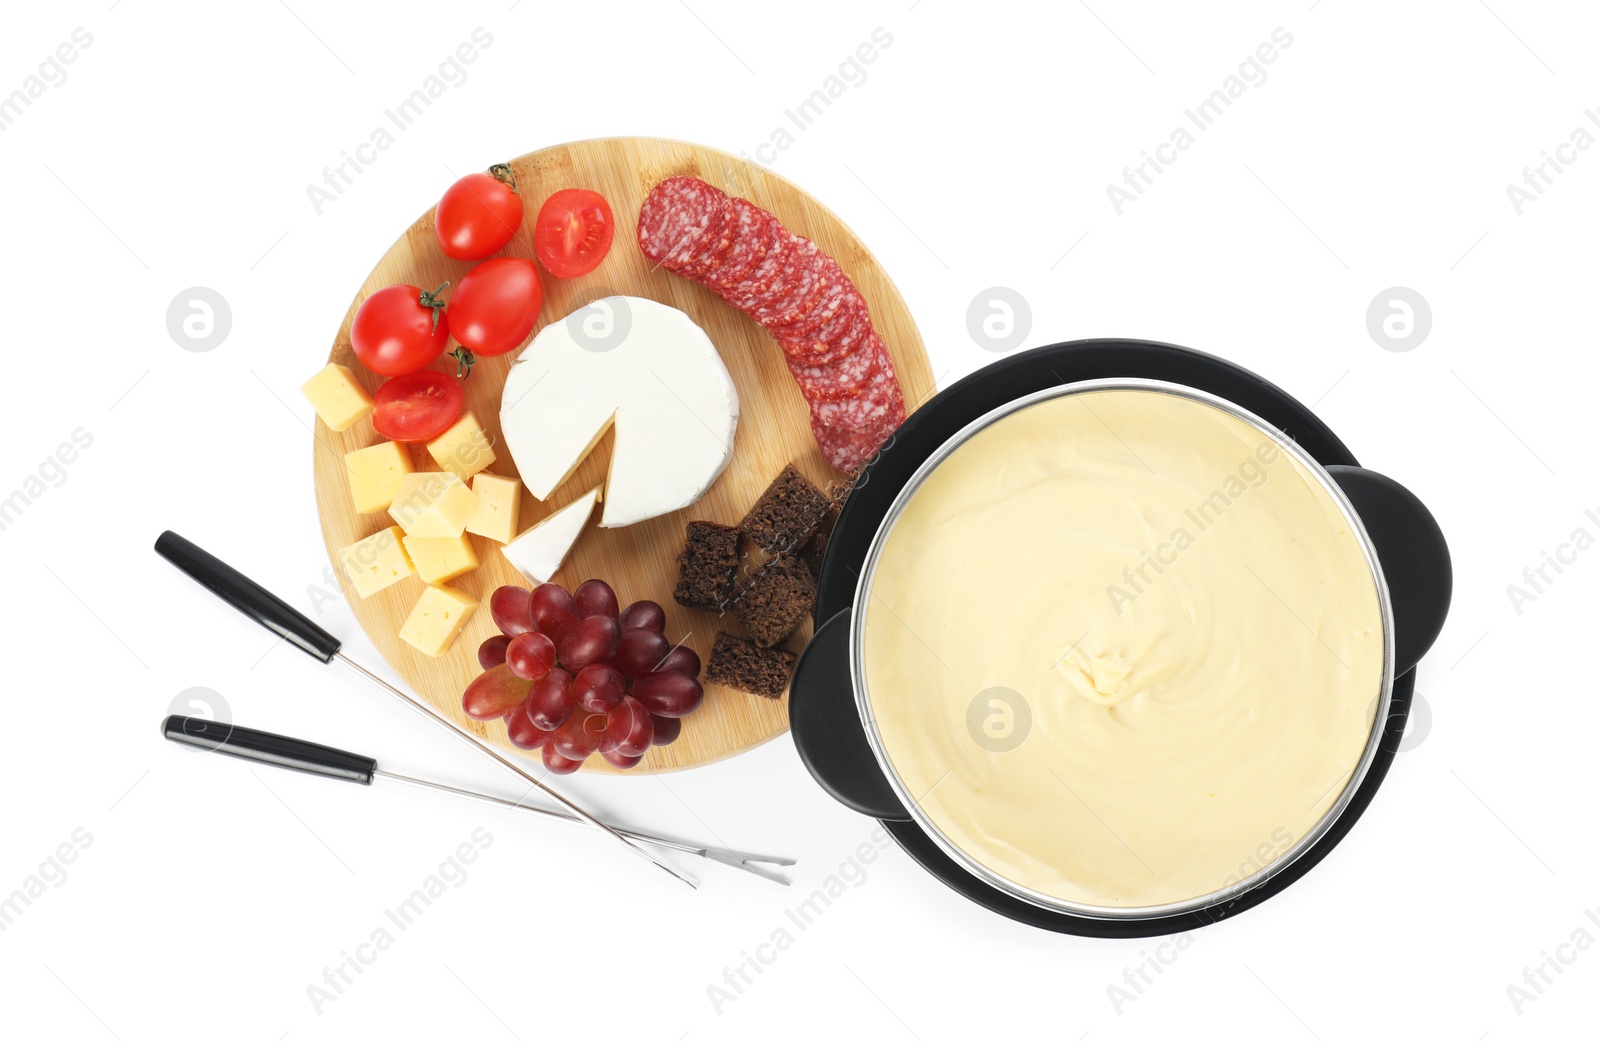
639 561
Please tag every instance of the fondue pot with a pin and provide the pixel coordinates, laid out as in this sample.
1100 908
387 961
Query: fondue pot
831 716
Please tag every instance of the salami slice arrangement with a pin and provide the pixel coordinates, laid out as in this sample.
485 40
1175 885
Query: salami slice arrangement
798 293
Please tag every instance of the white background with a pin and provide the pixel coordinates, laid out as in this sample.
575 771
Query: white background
975 154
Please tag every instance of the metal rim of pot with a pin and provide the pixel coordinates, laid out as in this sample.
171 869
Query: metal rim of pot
912 804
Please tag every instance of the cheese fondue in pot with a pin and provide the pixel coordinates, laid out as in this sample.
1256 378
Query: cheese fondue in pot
1122 649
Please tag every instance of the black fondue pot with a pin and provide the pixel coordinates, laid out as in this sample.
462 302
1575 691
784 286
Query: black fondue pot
836 738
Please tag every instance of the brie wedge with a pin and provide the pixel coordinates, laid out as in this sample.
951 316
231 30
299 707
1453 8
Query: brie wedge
642 367
539 551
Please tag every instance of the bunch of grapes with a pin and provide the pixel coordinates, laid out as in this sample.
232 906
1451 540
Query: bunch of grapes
572 675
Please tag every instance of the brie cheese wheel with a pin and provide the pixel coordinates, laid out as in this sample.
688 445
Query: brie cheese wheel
642 367
539 551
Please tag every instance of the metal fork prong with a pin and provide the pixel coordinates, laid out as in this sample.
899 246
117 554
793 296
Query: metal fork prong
732 859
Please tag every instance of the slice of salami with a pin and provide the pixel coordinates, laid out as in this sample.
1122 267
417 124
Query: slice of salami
794 252
867 409
844 334
845 449
753 237
838 380
809 271
715 246
851 305
839 289
680 216
850 432
755 287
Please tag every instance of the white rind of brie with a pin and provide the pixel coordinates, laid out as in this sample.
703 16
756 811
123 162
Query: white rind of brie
640 366
539 551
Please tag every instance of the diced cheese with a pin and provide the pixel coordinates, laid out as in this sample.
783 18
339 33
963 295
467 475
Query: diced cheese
653 375
539 551
439 560
499 504
433 505
376 562
464 449
338 398
375 473
440 615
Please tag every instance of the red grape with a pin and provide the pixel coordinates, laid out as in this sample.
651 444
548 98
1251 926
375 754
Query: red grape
599 688
668 693
640 651
667 728
508 605
644 614
628 728
492 651
681 659
494 693
595 597
522 732
579 735
557 763
592 640
531 655
618 760
552 611
551 700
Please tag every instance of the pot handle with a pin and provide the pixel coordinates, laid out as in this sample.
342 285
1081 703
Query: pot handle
827 728
1412 551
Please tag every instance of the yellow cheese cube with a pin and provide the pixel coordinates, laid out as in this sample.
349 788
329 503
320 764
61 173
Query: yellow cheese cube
436 621
375 474
499 503
464 449
433 505
376 562
337 396
440 560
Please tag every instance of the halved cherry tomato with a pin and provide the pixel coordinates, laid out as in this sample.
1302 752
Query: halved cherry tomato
495 307
400 330
416 407
478 215
573 232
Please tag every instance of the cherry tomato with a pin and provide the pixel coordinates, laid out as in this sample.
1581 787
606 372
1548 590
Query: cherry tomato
416 407
573 231
495 307
478 215
400 330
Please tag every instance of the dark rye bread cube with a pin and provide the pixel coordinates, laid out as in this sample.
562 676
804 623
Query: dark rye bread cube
742 665
839 490
775 599
786 514
815 550
708 566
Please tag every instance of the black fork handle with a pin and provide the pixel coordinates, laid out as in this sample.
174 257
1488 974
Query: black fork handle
248 595
259 746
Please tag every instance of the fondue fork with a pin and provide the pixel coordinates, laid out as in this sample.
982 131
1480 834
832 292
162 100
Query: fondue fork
294 754
253 599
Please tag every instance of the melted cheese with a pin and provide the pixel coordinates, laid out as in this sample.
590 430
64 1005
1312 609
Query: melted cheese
1123 649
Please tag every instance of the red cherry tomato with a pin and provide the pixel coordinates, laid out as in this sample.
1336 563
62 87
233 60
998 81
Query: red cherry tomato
400 330
573 232
416 407
478 215
495 307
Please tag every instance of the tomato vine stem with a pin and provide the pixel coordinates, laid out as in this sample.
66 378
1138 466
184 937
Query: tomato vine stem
434 302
